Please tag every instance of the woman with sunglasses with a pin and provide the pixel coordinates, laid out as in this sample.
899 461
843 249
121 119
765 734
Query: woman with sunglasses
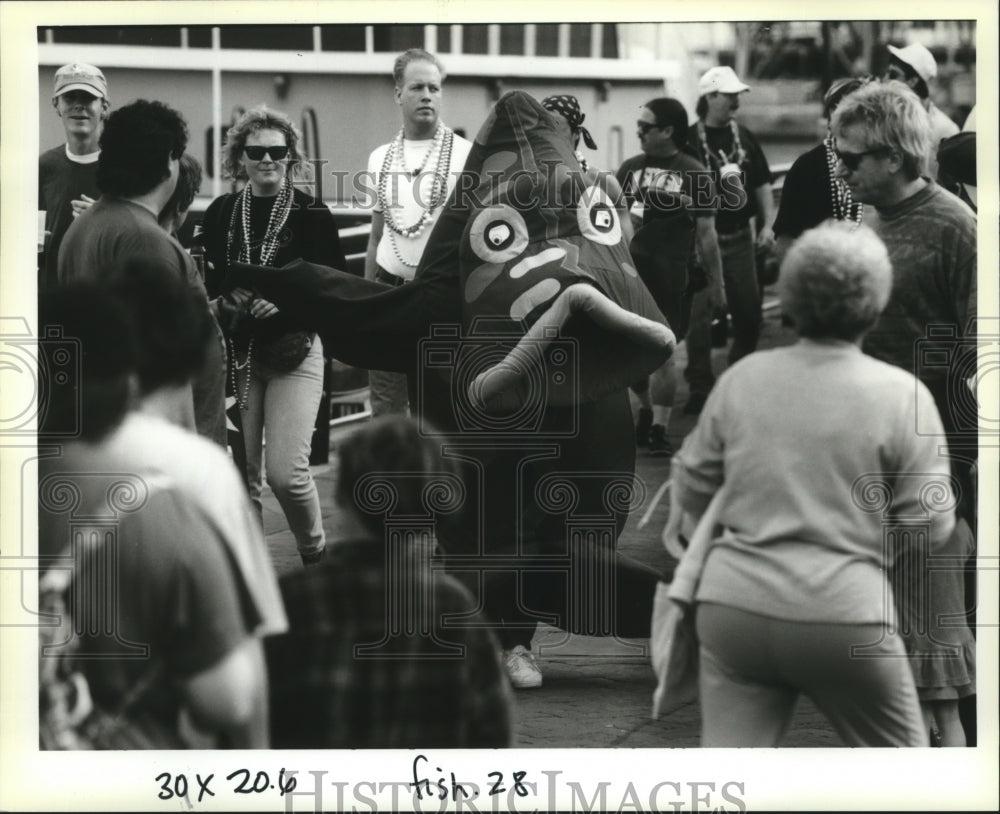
276 368
812 192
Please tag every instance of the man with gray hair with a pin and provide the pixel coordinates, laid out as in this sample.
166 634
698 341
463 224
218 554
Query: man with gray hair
413 175
883 136
882 133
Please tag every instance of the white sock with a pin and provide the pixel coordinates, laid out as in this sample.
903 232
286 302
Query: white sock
661 415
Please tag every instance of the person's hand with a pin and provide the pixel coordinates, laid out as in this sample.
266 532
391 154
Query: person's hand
81 205
262 309
765 238
717 295
240 296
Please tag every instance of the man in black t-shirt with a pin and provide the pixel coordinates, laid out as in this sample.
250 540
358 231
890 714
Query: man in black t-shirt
672 198
812 192
743 177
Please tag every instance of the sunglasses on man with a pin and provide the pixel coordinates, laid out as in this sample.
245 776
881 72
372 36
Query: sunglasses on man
276 152
853 160
645 127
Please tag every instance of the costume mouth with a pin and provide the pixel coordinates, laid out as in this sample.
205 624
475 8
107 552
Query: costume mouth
543 258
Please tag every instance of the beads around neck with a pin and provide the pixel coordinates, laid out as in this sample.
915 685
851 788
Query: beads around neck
395 163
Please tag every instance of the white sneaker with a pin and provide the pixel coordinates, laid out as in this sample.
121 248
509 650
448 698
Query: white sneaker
521 668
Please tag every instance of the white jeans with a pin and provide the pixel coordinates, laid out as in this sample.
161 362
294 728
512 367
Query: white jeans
283 406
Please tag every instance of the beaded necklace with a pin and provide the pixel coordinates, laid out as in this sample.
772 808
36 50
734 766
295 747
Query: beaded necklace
844 207
395 161
738 154
268 246
243 399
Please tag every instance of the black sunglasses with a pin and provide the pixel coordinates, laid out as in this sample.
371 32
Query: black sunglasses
645 127
277 152
852 160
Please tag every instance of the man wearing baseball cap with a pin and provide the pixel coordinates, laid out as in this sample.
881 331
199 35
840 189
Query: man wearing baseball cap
67 174
743 179
915 66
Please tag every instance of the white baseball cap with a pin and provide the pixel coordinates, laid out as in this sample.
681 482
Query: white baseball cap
917 57
720 79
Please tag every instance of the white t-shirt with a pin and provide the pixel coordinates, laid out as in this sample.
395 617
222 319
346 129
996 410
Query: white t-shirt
941 128
409 196
146 444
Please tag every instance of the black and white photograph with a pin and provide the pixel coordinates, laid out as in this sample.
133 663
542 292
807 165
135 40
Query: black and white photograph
452 406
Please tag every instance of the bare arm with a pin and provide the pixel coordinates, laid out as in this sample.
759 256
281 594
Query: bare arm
765 210
231 697
378 226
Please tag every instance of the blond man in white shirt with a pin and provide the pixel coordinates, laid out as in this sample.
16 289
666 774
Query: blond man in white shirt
413 175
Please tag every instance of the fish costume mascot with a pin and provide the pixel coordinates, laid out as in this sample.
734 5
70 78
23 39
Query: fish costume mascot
520 333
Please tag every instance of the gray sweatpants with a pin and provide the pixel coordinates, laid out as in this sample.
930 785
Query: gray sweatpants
753 669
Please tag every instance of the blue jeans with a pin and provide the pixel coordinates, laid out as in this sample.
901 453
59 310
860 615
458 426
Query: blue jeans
388 390
739 272
283 406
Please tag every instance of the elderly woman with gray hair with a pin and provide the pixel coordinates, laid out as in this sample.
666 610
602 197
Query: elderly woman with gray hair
814 450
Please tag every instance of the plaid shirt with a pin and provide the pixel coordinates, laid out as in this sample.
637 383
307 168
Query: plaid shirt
343 677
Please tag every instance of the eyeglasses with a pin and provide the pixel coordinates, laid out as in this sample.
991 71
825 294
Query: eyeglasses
645 127
853 160
277 152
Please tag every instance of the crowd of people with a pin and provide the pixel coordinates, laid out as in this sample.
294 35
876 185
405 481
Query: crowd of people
875 252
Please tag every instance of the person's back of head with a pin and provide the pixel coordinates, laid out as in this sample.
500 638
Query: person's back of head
956 157
839 89
175 210
394 449
835 281
87 362
567 107
137 144
173 324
